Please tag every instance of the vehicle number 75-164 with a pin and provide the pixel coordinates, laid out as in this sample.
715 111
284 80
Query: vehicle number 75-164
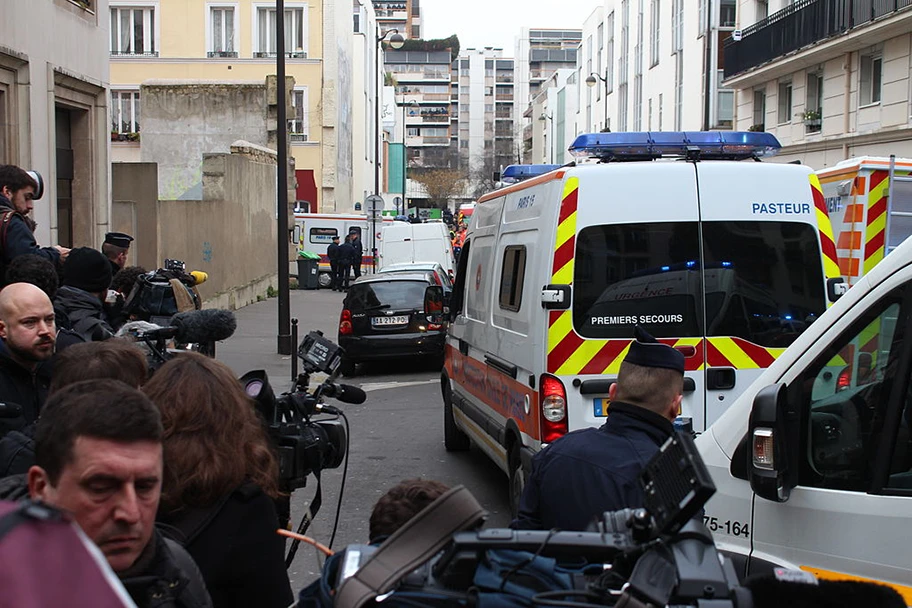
732 528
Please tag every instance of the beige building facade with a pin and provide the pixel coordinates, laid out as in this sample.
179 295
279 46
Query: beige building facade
54 112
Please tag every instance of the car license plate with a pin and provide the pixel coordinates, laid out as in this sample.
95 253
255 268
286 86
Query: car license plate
397 320
600 406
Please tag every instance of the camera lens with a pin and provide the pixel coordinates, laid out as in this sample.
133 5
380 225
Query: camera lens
253 388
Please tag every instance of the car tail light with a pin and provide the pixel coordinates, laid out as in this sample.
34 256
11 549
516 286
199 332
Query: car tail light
553 398
345 322
844 379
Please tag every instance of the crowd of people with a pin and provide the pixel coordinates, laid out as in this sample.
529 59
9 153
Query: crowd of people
345 259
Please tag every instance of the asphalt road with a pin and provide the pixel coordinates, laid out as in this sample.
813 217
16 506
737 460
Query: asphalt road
396 434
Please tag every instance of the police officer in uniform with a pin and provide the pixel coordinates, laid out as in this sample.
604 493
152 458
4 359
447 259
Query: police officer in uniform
332 252
587 472
116 247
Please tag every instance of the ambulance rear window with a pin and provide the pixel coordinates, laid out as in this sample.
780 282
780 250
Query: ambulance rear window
761 281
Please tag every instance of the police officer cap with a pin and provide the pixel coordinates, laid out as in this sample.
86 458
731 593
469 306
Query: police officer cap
335 237
118 239
646 351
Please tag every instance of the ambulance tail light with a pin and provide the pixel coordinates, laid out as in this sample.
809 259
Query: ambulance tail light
649 145
553 397
345 322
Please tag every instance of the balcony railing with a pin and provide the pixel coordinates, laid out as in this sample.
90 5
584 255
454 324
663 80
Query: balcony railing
221 54
288 54
799 25
132 54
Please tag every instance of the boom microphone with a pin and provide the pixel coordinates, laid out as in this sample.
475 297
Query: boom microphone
346 393
209 325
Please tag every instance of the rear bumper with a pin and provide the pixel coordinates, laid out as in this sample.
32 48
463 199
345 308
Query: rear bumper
373 348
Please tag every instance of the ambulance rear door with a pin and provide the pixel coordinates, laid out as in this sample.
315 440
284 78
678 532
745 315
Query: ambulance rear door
636 232
763 267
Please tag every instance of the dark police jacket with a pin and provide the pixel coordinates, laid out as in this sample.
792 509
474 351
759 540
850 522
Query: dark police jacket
332 252
590 471
26 388
346 254
19 239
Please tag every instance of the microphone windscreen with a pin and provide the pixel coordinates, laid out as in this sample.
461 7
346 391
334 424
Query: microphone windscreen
209 325
199 276
351 394
771 592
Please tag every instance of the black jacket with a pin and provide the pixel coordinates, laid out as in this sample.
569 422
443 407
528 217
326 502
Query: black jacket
84 313
236 547
346 254
27 389
590 471
20 239
358 247
332 252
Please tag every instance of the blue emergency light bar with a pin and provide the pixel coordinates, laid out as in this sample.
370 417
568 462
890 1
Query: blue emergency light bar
518 173
648 145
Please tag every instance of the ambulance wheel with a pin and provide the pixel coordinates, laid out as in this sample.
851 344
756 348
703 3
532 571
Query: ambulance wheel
454 440
324 279
517 478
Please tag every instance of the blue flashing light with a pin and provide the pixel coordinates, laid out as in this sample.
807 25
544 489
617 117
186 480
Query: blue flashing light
666 268
648 145
518 173
691 264
726 264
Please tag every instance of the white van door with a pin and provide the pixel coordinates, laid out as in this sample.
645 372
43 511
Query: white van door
851 512
762 270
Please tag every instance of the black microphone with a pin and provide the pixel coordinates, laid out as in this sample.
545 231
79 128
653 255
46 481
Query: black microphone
10 410
346 393
209 325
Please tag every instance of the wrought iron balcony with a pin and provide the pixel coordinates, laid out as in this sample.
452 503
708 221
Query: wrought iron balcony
801 24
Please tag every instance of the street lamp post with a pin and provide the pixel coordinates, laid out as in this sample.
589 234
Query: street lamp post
592 80
395 41
550 118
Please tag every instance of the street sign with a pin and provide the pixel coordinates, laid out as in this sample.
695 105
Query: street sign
374 203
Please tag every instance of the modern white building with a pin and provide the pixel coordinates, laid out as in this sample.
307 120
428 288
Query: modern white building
829 82
54 111
367 78
551 115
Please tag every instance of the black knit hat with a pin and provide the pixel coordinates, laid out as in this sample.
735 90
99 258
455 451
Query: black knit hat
646 351
87 269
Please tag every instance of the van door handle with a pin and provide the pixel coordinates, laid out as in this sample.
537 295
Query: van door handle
720 378
463 347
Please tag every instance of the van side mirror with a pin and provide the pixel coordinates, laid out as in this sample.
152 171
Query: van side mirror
836 288
770 464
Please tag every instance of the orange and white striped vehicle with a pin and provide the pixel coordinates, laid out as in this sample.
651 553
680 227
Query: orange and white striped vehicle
727 261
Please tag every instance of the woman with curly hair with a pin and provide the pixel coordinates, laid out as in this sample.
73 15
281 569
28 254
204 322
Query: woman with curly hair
220 479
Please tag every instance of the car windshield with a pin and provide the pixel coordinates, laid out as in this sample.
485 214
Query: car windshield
386 295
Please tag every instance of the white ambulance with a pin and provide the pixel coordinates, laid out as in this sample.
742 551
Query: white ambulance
723 260
315 231
818 476
869 201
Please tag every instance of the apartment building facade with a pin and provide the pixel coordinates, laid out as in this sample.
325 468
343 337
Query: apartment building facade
404 16
831 79
551 113
484 82
54 112
539 53
235 41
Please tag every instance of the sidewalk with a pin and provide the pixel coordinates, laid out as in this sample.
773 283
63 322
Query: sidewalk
253 345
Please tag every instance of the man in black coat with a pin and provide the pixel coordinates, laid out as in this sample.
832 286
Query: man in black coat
355 240
346 259
17 191
27 337
86 278
332 252
587 472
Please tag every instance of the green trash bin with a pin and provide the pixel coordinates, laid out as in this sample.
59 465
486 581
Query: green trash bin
308 273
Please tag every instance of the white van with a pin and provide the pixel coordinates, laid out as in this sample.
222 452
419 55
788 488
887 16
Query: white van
817 474
406 243
723 260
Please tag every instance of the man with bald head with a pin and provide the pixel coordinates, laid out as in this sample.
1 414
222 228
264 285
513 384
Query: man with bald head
27 338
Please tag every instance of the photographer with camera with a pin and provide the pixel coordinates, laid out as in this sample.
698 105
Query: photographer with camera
220 481
590 471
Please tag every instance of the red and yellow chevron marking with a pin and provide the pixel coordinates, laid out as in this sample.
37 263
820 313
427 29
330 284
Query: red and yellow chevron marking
825 228
877 219
565 243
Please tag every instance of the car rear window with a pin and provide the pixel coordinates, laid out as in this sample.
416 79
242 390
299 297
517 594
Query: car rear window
386 295
763 281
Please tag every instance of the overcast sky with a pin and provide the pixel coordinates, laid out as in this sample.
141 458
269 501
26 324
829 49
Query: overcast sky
480 23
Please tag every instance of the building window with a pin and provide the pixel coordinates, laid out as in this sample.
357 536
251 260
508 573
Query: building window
622 106
727 13
609 63
654 33
679 90
637 103
298 127
871 75
677 26
785 102
759 123
295 32
124 115
725 103
222 27
133 30
813 110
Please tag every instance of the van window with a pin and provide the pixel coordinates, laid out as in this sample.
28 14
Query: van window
322 236
844 399
512 274
386 294
638 273
457 300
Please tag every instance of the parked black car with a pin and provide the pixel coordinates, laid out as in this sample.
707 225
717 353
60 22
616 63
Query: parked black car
392 316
